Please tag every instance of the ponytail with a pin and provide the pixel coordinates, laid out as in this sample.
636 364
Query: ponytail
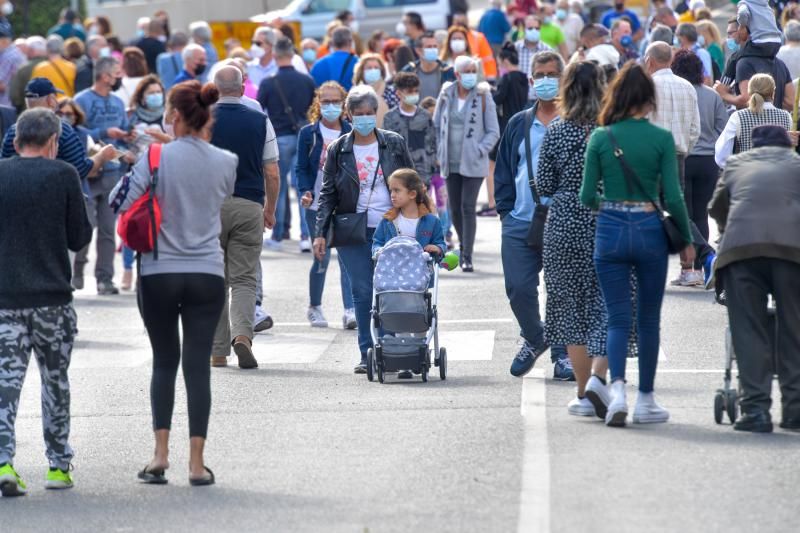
756 103
762 89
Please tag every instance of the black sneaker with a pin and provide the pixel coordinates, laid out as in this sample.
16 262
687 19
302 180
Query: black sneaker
77 283
107 288
525 359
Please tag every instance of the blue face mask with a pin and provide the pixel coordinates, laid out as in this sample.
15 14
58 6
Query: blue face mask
372 75
701 41
546 88
676 42
309 55
430 54
532 35
626 41
469 80
154 101
547 20
365 124
561 14
732 45
140 33
331 112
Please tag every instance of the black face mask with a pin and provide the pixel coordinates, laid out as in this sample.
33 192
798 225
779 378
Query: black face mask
619 6
117 84
199 69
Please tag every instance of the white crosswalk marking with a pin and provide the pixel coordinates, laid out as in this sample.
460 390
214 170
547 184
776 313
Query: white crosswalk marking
468 345
292 348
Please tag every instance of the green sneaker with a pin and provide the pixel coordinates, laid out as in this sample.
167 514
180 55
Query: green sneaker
10 482
58 479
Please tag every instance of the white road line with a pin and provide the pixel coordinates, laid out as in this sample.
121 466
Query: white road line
534 500
468 345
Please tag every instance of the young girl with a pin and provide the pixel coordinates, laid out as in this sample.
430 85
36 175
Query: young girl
411 214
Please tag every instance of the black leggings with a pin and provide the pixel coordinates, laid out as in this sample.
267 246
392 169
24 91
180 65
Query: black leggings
196 299
463 194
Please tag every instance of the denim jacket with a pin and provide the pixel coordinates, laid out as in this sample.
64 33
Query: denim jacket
309 151
429 231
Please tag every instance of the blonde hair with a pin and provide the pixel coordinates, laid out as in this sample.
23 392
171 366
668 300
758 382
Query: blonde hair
314 111
358 73
710 31
761 89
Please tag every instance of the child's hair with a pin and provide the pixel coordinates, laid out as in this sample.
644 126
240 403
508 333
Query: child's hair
509 52
406 81
413 182
428 104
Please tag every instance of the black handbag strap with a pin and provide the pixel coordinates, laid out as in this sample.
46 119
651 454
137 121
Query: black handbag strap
344 68
286 107
529 115
374 180
630 175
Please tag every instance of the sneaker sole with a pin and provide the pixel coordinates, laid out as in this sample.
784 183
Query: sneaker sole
319 324
600 408
617 420
11 489
649 419
245 356
264 325
58 485
563 378
580 412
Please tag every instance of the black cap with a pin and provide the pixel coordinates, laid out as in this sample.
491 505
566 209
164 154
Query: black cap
771 135
41 87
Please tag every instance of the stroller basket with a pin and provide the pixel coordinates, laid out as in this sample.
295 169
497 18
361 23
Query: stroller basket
403 312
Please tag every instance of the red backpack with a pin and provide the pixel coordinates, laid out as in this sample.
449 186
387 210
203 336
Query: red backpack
139 226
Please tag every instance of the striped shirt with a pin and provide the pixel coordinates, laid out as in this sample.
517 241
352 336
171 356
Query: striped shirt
526 59
70 149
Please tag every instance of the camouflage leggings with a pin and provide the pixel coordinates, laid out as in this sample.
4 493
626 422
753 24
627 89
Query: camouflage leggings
50 332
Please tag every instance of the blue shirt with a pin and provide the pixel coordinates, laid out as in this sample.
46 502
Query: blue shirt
102 113
169 65
329 68
611 15
523 206
494 25
183 76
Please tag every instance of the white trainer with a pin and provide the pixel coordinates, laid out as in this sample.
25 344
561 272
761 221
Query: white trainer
305 246
349 319
647 411
580 407
688 278
316 317
618 408
597 393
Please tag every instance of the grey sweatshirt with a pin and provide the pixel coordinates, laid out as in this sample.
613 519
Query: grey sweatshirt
194 179
759 18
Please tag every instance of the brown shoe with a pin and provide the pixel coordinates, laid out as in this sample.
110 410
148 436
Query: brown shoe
244 352
219 361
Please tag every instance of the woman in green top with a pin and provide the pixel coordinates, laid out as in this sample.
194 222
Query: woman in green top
629 232
709 31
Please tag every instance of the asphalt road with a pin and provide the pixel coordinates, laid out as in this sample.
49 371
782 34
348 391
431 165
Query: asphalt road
302 444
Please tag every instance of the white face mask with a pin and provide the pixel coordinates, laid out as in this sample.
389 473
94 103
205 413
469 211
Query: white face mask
400 29
8 9
257 52
458 46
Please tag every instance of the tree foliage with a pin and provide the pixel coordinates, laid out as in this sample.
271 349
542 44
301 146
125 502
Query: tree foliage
42 15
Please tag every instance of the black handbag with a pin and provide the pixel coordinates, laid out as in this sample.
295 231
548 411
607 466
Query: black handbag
535 238
350 229
675 241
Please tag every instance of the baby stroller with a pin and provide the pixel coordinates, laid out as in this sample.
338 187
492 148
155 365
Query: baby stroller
404 312
726 399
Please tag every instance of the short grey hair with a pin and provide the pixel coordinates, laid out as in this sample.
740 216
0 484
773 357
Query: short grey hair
104 65
94 40
35 128
547 56
200 31
792 31
661 34
266 33
688 30
659 52
228 80
342 38
462 62
37 44
284 48
361 95
178 40
189 51
55 45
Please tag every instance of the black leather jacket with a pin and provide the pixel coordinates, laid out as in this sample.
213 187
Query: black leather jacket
340 184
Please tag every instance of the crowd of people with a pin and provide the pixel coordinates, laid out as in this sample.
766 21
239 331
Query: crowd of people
601 146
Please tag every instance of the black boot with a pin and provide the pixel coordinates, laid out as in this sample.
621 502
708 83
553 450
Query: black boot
756 422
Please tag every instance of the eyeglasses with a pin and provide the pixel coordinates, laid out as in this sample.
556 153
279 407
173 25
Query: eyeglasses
543 75
258 43
329 102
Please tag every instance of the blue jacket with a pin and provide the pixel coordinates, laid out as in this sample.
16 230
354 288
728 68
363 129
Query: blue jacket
505 170
169 65
332 67
429 231
494 25
309 151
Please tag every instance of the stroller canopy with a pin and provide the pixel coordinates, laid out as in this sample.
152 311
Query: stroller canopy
402 267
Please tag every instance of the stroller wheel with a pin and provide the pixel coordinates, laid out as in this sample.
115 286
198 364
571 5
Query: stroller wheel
719 406
379 363
371 364
442 364
730 406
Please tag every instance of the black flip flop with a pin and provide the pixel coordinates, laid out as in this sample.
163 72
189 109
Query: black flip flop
203 481
153 477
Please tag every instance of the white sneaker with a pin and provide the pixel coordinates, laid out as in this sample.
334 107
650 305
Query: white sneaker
688 278
316 317
580 407
647 411
597 394
618 408
262 320
305 246
349 319
270 244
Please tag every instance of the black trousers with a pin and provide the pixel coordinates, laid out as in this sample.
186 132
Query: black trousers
702 174
196 300
462 192
748 284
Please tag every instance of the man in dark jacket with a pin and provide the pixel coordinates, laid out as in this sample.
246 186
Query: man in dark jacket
96 47
757 201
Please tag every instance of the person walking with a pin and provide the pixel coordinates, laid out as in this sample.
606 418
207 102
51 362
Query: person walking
36 311
340 64
169 64
515 204
96 47
494 25
57 69
371 70
186 284
286 97
530 45
575 314
466 122
354 181
195 63
756 200
630 235
326 124
249 135
432 72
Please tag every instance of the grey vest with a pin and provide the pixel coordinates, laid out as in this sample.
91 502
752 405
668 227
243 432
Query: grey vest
749 120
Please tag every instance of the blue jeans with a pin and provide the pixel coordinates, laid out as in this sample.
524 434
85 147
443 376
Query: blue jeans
316 278
521 268
357 262
287 153
635 241
128 257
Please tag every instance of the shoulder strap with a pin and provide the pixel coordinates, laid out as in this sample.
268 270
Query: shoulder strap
286 107
529 114
61 75
630 175
345 67
154 157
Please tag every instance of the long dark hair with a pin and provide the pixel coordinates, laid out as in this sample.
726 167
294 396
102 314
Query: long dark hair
632 91
582 89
